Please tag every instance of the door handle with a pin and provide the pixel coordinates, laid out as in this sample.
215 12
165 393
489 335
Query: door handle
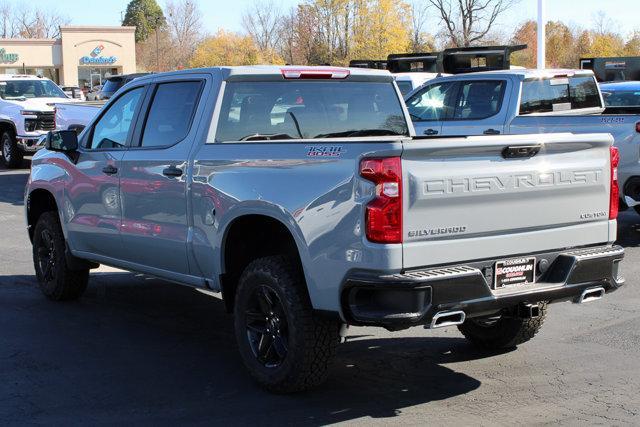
110 170
491 132
172 171
430 132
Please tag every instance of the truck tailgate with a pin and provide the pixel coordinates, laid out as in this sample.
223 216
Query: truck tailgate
465 201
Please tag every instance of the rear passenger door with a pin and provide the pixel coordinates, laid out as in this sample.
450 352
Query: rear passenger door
480 109
430 106
153 182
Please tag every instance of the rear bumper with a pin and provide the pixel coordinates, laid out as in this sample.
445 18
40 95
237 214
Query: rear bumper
402 300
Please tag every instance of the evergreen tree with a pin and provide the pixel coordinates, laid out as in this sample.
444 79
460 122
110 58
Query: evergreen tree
145 15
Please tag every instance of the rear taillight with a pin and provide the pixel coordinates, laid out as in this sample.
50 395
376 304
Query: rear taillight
615 190
383 217
638 127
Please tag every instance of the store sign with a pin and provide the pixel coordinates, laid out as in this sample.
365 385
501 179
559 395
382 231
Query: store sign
8 58
95 58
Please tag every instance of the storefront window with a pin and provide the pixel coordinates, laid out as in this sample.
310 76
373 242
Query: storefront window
88 77
49 73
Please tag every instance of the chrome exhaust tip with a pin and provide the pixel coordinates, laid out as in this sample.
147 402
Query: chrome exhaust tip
590 294
443 319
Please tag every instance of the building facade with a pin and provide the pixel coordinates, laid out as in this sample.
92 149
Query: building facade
82 56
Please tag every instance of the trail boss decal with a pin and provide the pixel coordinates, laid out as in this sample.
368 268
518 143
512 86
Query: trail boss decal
325 151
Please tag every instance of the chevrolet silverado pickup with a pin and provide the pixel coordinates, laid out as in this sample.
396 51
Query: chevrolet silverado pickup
529 101
26 113
303 195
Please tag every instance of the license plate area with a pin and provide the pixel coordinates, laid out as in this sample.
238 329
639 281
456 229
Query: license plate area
514 272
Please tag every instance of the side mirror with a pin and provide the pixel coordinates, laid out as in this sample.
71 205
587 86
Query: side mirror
65 141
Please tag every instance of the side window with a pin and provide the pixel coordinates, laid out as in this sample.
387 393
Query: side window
435 102
171 113
559 94
479 99
112 128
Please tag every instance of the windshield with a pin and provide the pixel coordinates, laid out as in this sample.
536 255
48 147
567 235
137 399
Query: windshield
25 89
626 98
309 109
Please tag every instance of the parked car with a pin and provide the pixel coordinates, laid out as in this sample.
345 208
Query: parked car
74 92
621 95
332 213
26 113
113 83
91 94
528 101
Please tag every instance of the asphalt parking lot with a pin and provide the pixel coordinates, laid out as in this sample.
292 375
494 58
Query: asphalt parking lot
138 350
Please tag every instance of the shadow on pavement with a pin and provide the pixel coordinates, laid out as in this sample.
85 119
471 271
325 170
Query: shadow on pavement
628 229
12 185
141 350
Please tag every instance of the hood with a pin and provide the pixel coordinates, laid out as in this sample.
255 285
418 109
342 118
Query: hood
40 104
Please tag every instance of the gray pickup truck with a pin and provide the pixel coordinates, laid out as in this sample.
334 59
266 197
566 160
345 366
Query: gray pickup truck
304 197
528 101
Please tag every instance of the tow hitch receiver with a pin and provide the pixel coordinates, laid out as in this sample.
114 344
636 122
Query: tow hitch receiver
529 311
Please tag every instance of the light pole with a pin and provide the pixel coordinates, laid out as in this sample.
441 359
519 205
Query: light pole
542 30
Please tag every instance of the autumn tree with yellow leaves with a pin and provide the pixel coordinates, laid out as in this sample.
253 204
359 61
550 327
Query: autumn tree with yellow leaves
227 48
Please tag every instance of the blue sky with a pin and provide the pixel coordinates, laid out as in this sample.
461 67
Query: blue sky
227 14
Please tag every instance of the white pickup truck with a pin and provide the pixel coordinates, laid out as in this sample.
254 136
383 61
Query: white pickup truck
76 116
528 102
26 113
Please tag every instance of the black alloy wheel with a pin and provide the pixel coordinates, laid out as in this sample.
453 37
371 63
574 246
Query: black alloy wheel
267 328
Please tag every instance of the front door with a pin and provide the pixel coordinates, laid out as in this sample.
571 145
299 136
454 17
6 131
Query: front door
93 204
155 223
430 106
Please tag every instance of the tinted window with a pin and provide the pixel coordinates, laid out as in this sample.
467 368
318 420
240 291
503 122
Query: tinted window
479 99
170 114
404 86
558 94
113 127
307 109
435 102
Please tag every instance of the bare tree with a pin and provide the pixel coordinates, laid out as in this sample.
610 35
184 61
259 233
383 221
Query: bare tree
34 23
419 15
262 22
469 21
185 30
602 24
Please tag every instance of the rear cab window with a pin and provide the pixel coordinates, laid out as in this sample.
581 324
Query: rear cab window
559 93
309 109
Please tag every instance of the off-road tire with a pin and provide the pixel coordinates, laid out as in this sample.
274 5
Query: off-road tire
507 332
312 341
60 283
11 155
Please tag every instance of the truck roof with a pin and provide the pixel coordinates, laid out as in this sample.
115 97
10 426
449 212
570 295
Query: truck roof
273 71
528 73
627 85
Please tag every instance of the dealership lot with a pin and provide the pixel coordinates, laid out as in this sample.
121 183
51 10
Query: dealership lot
138 349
